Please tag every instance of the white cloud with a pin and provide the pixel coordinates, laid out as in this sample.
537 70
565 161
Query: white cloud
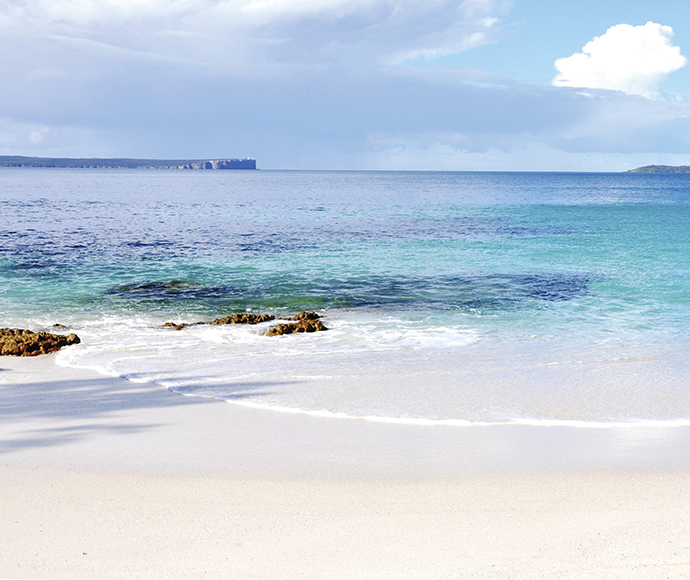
258 32
632 59
300 84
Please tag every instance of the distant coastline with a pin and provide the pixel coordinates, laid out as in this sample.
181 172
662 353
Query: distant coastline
20 161
661 169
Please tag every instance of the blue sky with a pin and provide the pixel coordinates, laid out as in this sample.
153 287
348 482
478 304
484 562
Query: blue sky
350 84
538 32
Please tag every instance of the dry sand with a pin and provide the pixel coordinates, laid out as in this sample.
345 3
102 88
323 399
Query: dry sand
104 478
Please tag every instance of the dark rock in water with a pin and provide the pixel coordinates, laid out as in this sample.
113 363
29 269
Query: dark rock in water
240 318
176 326
305 316
304 325
20 342
243 318
59 326
306 322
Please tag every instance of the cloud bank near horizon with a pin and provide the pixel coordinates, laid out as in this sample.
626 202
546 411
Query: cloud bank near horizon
302 84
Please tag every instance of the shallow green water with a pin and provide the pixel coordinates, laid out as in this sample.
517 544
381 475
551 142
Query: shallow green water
461 297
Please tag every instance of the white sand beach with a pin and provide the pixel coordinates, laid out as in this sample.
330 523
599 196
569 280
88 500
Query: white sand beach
105 478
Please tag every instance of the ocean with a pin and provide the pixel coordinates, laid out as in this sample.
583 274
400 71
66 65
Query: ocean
450 298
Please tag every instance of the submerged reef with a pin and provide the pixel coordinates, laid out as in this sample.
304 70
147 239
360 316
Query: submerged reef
306 322
21 342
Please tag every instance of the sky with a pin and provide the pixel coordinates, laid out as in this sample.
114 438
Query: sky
498 85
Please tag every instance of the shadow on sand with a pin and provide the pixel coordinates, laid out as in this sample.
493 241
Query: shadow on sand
64 411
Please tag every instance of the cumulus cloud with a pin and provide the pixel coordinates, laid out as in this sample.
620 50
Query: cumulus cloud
632 59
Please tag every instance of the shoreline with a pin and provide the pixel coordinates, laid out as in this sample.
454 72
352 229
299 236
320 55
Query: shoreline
52 413
102 477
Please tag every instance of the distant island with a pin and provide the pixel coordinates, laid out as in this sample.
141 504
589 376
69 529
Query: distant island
661 169
19 161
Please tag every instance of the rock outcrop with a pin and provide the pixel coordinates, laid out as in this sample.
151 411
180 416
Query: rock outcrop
21 342
304 316
661 169
240 318
221 164
182 325
20 161
243 318
304 324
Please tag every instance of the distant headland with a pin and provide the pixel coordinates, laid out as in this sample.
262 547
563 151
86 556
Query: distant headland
19 161
661 169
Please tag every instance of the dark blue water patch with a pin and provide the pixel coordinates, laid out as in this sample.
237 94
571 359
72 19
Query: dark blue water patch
173 289
317 208
553 287
475 292
481 292
466 227
149 244
31 266
31 269
134 238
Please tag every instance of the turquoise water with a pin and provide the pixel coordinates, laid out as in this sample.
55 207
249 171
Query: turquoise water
451 297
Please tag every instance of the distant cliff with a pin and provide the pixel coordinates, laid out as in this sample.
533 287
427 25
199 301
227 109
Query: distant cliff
662 169
19 161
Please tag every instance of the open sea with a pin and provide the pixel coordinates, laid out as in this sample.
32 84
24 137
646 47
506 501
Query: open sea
451 298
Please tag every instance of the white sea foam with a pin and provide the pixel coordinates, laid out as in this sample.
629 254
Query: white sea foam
388 369
425 422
